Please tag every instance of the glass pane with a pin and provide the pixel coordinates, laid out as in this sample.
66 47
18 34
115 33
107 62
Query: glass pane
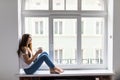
58 5
36 4
92 43
71 5
92 4
65 4
65 41
33 26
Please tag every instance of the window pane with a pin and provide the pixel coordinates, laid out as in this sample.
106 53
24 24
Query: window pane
71 5
33 26
58 5
36 4
92 4
65 4
92 41
65 41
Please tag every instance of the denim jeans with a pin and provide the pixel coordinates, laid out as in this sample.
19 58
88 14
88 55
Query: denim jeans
37 63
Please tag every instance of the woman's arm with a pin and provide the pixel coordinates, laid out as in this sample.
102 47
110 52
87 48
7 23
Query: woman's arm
28 59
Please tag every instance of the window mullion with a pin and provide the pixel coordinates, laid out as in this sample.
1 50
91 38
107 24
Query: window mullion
105 41
93 13
79 57
50 5
51 49
79 5
64 4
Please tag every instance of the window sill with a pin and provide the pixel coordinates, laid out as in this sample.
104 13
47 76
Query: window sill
45 73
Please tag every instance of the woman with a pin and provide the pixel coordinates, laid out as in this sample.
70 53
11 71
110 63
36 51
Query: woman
31 63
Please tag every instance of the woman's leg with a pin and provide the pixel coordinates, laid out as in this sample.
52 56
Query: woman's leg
53 70
47 60
38 63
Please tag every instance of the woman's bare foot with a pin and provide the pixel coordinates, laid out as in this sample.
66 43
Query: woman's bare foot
53 71
59 69
56 70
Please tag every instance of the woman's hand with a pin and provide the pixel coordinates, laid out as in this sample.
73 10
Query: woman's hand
39 51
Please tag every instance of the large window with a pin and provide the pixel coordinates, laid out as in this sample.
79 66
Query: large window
73 32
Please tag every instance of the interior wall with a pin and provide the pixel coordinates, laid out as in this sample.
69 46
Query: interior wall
116 39
8 40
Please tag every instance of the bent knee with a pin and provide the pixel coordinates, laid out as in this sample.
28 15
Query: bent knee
45 53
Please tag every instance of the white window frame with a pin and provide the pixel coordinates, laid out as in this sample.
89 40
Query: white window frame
78 14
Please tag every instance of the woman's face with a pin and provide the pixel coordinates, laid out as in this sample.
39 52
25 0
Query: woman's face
29 39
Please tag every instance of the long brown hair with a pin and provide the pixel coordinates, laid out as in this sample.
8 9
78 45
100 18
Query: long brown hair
23 43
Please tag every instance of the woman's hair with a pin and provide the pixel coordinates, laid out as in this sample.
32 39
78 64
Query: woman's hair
23 43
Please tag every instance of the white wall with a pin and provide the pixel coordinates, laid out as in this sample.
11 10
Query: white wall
116 40
9 34
8 40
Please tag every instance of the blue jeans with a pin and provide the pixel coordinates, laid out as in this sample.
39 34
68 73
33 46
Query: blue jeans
41 58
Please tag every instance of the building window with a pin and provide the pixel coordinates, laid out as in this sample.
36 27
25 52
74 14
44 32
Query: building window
69 25
58 27
85 58
82 27
36 28
39 27
58 56
36 4
65 4
98 56
99 26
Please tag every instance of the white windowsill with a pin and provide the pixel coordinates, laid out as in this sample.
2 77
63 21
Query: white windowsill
45 73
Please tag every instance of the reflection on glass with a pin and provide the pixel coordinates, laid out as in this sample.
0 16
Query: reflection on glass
33 26
36 4
92 4
64 41
92 44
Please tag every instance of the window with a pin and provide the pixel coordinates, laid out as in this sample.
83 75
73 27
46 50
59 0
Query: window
36 28
39 27
58 56
65 4
58 27
93 5
99 26
99 57
73 32
36 4
82 27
